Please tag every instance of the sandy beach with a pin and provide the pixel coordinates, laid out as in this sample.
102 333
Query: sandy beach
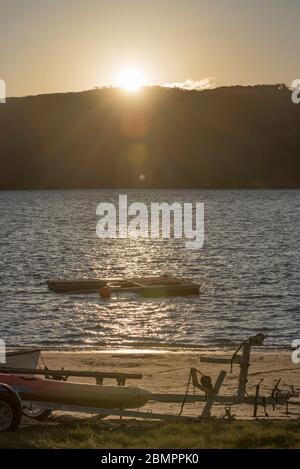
168 372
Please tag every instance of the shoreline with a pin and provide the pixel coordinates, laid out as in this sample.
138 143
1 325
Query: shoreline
159 349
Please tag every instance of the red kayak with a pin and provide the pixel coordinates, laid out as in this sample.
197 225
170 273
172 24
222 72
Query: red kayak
86 395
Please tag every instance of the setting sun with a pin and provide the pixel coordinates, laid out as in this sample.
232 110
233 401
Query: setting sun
130 79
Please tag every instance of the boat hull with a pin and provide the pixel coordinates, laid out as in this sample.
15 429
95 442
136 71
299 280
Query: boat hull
77 394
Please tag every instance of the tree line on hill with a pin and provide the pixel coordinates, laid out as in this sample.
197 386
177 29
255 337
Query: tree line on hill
228 137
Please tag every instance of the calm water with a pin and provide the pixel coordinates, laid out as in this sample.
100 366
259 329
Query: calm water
248 269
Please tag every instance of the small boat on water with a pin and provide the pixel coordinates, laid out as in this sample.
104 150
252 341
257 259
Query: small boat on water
86 395
161 286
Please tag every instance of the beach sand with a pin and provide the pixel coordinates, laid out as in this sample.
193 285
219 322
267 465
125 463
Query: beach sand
168 372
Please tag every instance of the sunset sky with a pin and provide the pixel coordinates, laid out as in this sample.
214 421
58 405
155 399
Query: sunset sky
70 45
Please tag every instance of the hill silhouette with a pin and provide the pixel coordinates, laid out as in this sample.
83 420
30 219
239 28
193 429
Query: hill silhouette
229 137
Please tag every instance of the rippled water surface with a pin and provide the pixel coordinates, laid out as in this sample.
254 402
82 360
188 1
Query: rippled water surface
248 270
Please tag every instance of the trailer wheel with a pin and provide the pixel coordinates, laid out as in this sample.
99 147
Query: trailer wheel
10 411
37 413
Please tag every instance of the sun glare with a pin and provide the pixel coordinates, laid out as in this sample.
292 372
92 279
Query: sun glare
130 79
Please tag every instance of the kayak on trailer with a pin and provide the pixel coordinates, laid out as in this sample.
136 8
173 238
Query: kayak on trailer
78 394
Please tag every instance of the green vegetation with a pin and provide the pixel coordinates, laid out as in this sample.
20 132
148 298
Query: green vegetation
93 433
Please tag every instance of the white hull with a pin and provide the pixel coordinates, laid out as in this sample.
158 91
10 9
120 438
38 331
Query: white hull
22 358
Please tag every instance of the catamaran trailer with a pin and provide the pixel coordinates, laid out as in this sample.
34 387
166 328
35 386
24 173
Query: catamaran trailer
11 407
12 400
41 413
23 383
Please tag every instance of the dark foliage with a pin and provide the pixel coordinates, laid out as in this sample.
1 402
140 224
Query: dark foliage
158 138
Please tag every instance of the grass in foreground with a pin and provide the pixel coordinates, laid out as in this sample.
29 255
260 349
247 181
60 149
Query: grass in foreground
92 433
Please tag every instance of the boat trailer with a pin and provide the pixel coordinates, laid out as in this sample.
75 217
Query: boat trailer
211 391
199 380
